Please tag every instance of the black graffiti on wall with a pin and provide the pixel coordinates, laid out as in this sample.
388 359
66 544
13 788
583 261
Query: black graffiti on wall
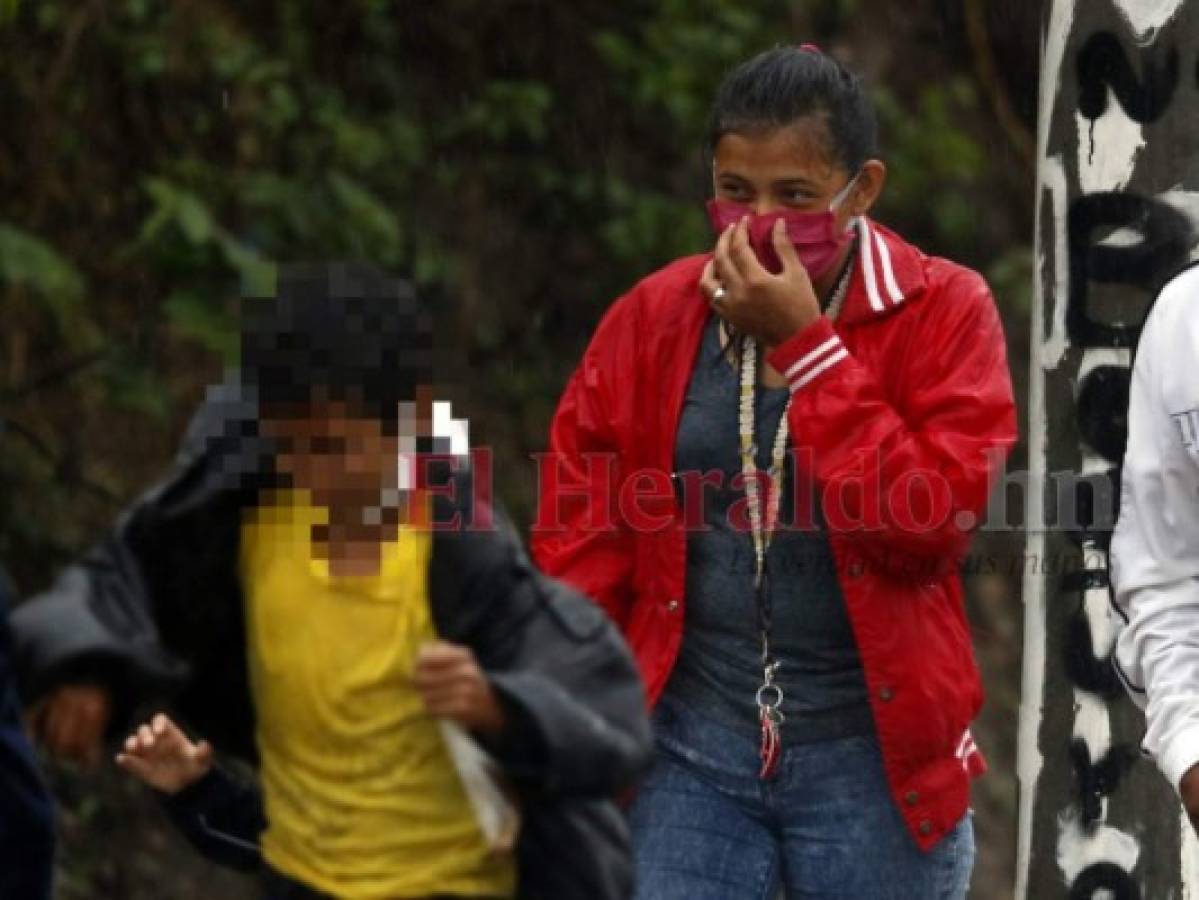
1098 779
1161 245
1102 63
1155 241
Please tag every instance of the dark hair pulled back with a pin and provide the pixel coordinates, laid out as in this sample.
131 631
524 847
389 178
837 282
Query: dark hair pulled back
777 88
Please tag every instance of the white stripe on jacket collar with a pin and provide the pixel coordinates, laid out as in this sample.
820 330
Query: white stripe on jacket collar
870 242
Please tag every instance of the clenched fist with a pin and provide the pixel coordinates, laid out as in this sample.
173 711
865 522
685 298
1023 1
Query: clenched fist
453 687
752 300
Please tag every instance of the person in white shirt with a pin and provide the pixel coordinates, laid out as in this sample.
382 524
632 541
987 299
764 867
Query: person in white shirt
1155 549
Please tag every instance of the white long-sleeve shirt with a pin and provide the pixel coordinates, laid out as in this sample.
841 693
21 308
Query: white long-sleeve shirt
1155 549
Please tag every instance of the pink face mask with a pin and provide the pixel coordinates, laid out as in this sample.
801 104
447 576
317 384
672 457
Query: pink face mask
814 235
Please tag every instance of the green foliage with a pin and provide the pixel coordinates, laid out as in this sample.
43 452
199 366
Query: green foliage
1011 278
674 60
192 316
52 281
932 154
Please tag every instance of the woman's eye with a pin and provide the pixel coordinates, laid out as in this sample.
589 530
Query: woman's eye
797 197
734 191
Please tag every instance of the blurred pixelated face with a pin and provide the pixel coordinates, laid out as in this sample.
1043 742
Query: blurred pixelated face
789 168
337 454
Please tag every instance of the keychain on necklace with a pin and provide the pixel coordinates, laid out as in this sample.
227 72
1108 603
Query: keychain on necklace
769 696
770 718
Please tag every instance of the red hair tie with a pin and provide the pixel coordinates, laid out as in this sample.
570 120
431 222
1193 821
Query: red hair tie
811 48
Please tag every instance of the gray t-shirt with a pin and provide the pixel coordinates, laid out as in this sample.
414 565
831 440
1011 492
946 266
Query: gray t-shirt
719 667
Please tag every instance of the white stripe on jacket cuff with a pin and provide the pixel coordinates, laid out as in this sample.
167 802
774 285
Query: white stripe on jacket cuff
809 359
815 363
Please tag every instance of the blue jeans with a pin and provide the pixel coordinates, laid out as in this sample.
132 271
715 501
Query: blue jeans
705 827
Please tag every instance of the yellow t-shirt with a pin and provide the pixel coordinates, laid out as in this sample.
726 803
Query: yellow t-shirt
361 796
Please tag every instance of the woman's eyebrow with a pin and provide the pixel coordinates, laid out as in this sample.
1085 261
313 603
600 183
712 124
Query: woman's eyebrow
794 182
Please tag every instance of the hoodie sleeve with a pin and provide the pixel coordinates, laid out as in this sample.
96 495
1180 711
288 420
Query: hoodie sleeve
221 817
578 724
94 624
97 621
576 711
1155 548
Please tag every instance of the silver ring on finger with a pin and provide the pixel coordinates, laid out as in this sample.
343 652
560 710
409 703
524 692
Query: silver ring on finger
718 296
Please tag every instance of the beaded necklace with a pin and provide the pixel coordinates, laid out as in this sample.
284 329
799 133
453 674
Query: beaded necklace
769 697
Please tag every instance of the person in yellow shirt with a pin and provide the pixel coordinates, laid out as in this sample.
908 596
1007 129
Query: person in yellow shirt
323 607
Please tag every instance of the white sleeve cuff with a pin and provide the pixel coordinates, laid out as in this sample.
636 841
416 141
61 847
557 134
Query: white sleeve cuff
1180 754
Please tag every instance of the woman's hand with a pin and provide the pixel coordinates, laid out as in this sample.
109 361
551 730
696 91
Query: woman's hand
162 756
453 687
768 307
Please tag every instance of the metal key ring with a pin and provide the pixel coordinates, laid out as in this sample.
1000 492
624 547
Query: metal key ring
778 696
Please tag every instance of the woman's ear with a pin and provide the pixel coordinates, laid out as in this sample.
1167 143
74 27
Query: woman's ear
871 178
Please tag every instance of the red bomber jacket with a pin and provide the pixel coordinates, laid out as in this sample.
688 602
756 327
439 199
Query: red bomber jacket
902 417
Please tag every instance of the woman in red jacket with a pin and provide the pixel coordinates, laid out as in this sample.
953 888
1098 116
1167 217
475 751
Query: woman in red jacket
766 468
